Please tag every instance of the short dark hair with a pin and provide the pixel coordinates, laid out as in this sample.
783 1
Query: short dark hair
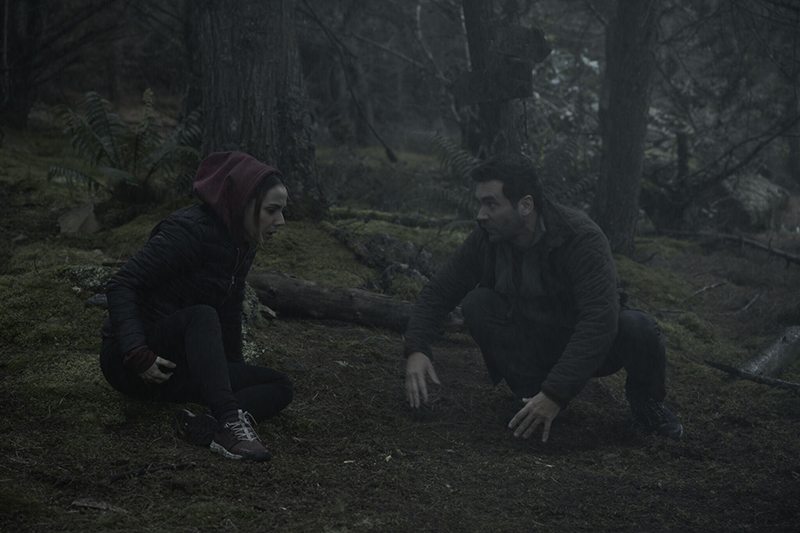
518 174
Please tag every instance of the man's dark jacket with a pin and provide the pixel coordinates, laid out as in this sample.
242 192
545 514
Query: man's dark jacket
190 259
567 279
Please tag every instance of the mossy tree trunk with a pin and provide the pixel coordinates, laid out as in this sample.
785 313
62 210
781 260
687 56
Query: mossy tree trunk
625 99
253 95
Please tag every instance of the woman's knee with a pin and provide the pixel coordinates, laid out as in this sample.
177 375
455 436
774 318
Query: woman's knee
202 315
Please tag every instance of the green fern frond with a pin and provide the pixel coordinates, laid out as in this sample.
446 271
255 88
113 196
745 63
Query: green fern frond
182 183
576 192
189 132
74 178
128 157
460 199
455 162
105 125
116 176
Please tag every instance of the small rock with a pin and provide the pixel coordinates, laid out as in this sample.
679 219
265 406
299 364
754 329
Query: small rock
79 220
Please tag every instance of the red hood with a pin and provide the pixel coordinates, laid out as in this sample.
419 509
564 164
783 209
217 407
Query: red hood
225 181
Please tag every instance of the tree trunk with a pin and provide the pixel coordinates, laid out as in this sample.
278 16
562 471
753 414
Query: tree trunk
498 132
297 297
22 24
793 141
253 95
192 94
625 99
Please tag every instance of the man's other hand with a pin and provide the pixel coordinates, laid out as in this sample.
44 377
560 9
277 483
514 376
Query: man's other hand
418 369
537 411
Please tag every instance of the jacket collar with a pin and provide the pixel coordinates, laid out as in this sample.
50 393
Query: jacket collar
559 228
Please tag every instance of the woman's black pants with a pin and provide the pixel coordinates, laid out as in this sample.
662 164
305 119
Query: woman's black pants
192 339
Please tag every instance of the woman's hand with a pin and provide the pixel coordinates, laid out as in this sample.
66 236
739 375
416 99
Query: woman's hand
154 373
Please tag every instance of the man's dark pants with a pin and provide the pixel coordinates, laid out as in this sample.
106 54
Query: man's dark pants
523 352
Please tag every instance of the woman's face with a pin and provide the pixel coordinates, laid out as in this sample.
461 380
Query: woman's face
270 217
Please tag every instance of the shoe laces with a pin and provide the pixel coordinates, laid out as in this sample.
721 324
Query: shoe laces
243 427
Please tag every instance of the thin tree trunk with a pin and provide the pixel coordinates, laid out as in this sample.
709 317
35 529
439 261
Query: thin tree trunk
630 43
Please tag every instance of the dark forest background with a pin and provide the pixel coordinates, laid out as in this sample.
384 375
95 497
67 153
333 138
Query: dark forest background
674 122
661 113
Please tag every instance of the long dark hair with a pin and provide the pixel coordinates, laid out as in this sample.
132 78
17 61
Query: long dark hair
269 182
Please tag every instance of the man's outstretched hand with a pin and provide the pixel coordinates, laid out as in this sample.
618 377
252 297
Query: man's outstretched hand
418 369
537 411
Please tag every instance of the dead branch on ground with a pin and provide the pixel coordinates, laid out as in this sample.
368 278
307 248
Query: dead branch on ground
142 471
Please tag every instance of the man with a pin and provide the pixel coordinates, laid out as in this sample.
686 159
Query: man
541 297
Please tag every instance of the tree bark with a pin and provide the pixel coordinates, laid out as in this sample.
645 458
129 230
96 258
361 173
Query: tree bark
778 357
793 142
296 297
22 26
253 95
625 99
498 132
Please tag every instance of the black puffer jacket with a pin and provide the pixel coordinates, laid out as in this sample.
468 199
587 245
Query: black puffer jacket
568 279
189 259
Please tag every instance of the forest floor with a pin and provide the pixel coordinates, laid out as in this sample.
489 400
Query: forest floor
349 454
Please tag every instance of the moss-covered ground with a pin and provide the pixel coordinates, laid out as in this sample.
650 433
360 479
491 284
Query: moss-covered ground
348 454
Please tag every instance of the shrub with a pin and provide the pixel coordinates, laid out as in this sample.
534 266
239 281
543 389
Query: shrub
129 159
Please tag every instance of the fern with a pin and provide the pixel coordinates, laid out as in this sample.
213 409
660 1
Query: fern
74 178
455 166
455 163
461 200
127 157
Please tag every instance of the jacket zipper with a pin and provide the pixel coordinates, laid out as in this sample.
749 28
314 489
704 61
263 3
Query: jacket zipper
235 270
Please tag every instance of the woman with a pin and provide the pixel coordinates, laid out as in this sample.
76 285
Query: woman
174 330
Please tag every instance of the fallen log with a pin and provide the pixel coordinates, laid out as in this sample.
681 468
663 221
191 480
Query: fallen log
297 297
766 366
736 372
778 357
